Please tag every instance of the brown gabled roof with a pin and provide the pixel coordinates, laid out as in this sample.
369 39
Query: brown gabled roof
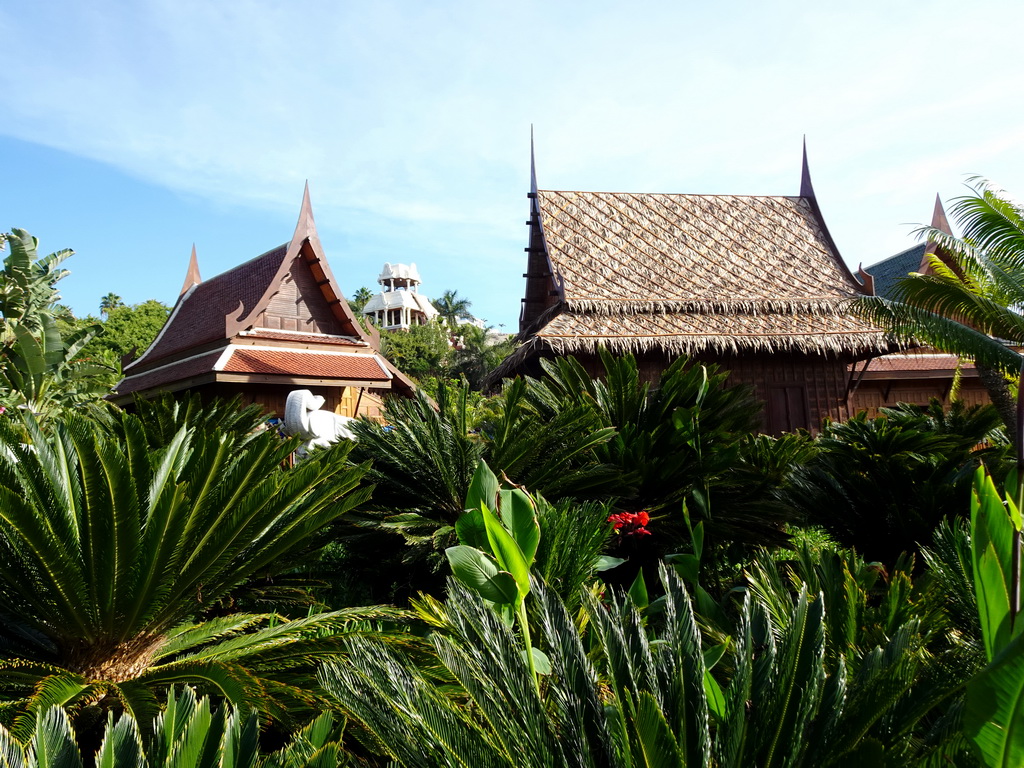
898 362
196 341
229 303
244 359
328 365
272 334
199 317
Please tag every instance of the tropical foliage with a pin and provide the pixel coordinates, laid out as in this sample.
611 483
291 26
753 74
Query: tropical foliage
592 571
41 367
969 303
882 485
119 557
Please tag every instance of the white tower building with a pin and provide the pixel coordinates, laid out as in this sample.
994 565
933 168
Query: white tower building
399 304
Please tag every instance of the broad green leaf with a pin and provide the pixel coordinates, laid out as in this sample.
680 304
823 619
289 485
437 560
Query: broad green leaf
469 527
541 662
714 654
478 571
520 516
715 697
994 713
687 566
606 563
506 551
638 591
483 488
991 543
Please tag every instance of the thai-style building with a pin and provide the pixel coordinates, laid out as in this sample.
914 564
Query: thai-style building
276 323
399 305
752 283
914 376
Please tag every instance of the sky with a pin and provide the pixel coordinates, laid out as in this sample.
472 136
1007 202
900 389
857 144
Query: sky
131 131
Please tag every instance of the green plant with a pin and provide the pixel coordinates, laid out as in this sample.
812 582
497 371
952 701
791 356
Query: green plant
112 549
192 732
882 485
967 304
625 692
499 536
995 697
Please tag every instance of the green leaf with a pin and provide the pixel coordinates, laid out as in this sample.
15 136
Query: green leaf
507 551
478 571
638 591
658 745
714 654
715 697
470 529
991 542
541 662
994 713
687 566
520 515
606 563
483 488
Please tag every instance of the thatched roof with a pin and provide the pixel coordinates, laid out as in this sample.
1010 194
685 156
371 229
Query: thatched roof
689 274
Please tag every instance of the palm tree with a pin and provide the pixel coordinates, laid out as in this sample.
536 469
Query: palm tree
359 299
971 307
109 302
116 541
452 307
969 304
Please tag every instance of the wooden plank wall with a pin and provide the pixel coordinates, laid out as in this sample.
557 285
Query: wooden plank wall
823 380
299 305
779 377
873 395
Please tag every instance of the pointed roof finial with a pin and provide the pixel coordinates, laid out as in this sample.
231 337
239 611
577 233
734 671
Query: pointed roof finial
939 220
941 223
806 188
533 165
305 228
192 276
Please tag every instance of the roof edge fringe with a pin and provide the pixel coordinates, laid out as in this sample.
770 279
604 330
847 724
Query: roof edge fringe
835 344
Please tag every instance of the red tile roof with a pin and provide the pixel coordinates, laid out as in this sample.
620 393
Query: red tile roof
294 363
917 363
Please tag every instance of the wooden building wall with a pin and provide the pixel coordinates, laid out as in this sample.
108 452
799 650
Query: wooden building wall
272 397
873 395
299 305
798 391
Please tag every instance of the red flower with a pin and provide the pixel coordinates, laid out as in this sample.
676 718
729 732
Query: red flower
631 523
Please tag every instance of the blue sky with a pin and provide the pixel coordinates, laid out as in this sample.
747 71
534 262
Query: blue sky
131 130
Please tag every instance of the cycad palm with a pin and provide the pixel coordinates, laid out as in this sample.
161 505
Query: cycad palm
111 550
620 694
